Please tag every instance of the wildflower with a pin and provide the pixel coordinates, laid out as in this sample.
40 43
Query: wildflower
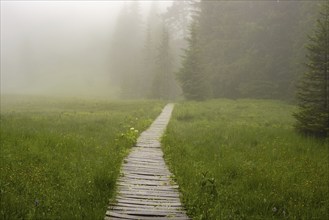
132 128
274 209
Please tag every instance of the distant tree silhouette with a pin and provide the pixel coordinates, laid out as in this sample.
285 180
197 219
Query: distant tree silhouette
125 51
191 76
164 81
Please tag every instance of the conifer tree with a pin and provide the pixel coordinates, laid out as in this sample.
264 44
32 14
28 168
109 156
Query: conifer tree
151 40
313 91
126 50
164 82
190 75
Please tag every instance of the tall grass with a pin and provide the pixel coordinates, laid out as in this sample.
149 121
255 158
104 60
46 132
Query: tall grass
243 160
60 158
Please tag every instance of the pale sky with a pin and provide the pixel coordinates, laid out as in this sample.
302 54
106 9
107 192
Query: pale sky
59 46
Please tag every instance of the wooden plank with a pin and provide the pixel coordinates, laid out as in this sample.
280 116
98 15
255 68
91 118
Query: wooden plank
148 172
143 182
152 157
150 175
155 155
164 187
148 189
141 151
147 150
147 177
147 206
150 146
147 155
141 172
150 199
153 187
163 210
160 165
151 192
148 194
145 166
141 162
143 212
144 172
159 209
137 217
148 165
134 179
151 170
148 202
147 199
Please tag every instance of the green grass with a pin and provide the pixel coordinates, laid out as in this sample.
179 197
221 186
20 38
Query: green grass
60 158
243 160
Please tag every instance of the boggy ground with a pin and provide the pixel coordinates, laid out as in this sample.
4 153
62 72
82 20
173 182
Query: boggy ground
60 158
243 160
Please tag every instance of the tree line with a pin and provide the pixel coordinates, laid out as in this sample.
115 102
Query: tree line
248 49
226 49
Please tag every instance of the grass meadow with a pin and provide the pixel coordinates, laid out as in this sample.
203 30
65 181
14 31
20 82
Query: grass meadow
60 158
241 159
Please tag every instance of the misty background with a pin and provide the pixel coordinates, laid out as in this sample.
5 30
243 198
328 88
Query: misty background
61 48
195 49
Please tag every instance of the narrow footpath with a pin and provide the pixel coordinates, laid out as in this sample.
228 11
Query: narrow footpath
145 188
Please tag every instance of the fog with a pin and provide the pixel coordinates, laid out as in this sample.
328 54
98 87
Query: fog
60 48
194 49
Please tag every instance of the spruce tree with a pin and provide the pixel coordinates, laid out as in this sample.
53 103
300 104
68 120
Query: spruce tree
126 50
152 37
190 76
313 91
163 82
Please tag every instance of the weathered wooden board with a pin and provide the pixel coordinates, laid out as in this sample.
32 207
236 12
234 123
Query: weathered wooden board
150 195
139 217
147 206
145 188
148 189
152 170
147 202
143 172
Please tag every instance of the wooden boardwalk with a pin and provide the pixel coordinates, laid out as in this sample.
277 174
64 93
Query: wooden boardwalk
145 188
